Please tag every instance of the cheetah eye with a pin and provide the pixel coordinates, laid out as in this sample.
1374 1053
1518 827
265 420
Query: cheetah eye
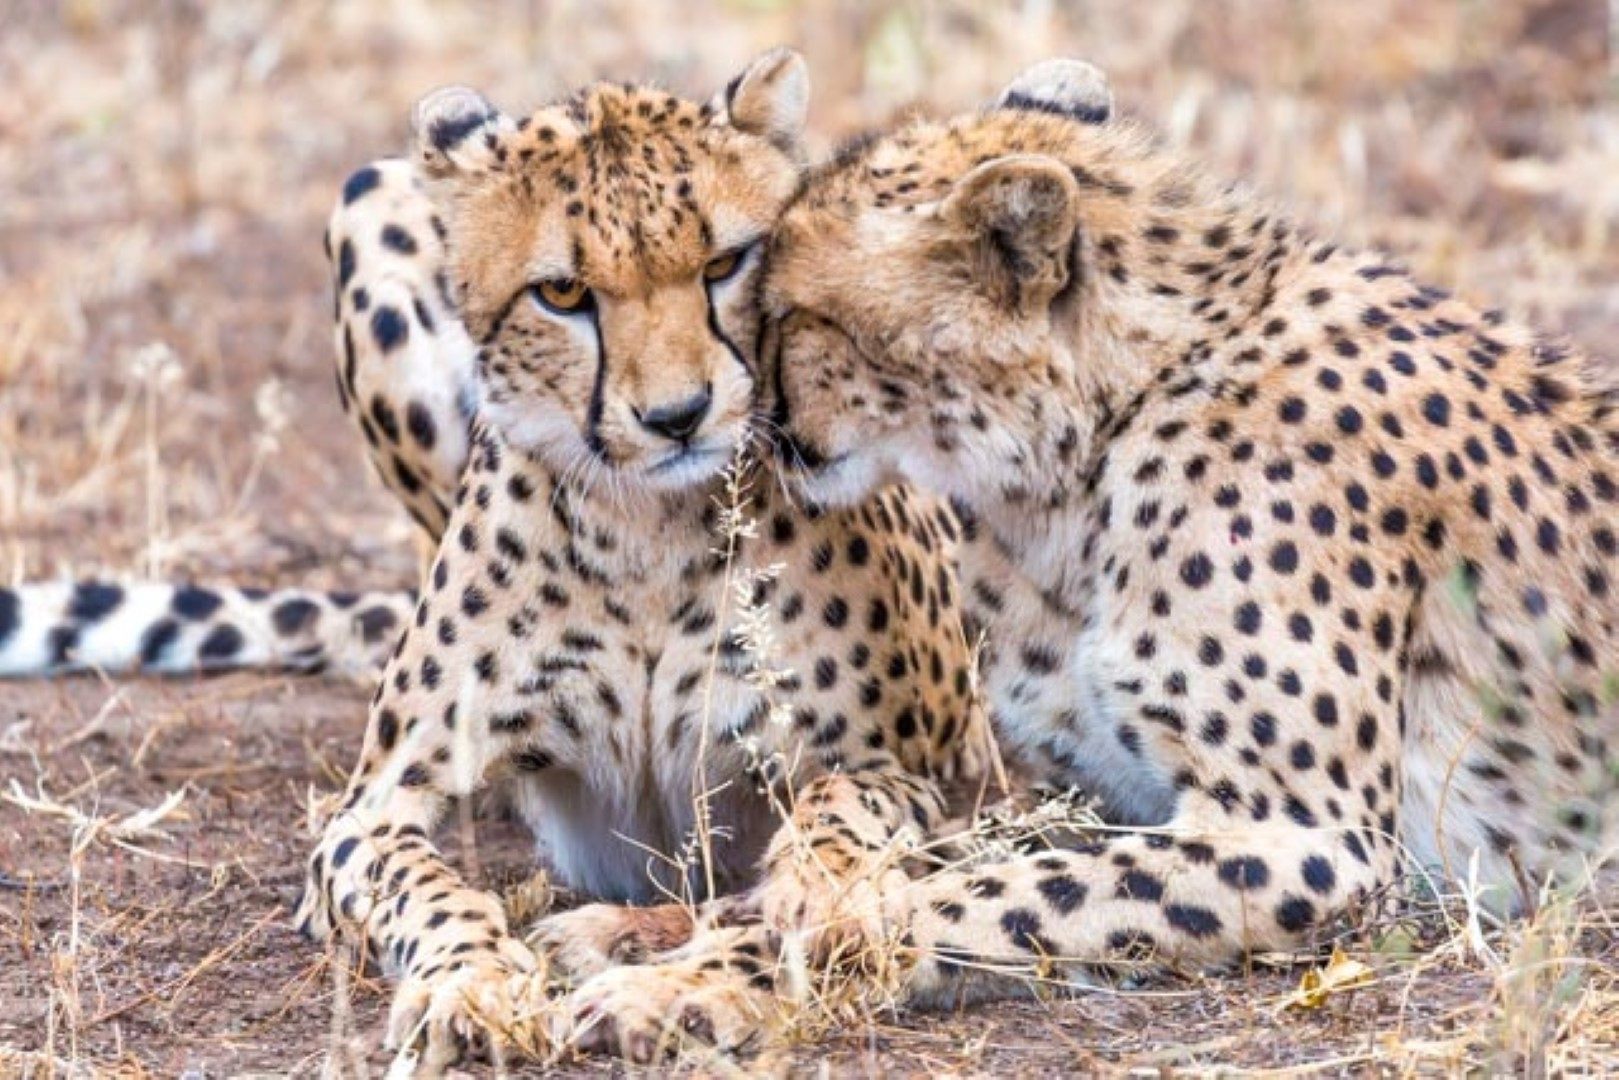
564 296
724 267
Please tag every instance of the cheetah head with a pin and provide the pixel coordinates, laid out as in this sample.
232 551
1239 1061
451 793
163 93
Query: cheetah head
920 289
602 253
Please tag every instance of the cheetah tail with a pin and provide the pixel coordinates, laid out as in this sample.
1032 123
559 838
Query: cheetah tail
49 628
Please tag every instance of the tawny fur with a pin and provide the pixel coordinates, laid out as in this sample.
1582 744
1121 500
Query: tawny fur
576 642
1308 565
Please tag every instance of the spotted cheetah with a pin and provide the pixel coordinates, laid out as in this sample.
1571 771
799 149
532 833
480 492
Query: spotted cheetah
604 631
1309 571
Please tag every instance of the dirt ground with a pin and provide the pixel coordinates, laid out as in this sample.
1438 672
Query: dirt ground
165 169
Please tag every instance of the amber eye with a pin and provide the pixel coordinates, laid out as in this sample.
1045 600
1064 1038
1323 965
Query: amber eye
565 296
723 267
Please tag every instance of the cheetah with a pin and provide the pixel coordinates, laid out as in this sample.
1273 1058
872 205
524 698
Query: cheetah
1307 570
605 633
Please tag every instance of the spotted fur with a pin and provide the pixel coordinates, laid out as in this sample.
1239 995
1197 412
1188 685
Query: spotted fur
162 628
577 641
1306 569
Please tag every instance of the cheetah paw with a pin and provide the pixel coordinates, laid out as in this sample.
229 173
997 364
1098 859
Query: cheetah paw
695 1002
588 940
841 922
485 1005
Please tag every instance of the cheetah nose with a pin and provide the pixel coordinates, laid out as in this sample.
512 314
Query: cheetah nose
678 421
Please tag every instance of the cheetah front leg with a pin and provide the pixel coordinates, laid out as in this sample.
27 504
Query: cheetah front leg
457 708
1178 897
841 855
465 985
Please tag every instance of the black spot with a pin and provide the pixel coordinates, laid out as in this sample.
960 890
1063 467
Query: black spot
383 414
93 600
420 423
1191 919
291 616
1248 618
448 131
155 642
359 184
1062 892
222 643
388 327
1140 885
345 262
1326 710
987 888
1360 572
387 729
190 602
1263 728
375 623
1548 536
397 239
1295 914
1197 570
10 614
1023 927
343 851
1318 874
1245 872
1436 407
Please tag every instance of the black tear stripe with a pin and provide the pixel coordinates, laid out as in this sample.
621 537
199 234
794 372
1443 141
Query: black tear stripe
499 322
598 390
718 331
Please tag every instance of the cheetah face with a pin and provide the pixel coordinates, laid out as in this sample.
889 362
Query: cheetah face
604 254
919 290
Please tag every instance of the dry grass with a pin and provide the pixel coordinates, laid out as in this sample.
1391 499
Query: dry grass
166 168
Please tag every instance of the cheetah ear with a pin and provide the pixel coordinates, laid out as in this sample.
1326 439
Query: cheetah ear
769 99
457 130
1018 215
1071 88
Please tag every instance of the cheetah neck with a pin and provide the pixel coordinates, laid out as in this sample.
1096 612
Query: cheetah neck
1164 326
615 533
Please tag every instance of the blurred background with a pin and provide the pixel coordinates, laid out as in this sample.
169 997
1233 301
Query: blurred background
166 399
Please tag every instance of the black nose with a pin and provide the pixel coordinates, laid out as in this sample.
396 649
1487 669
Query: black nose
680 420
